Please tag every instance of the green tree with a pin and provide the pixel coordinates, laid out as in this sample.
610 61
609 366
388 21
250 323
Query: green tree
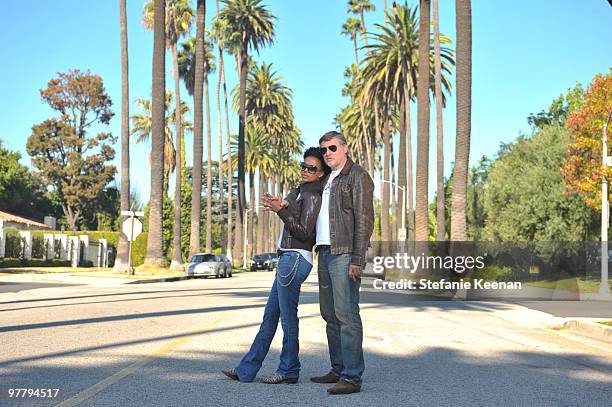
66 157
252 26
20 193
524 197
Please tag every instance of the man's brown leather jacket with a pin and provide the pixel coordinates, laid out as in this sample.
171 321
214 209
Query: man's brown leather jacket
300 217
351 212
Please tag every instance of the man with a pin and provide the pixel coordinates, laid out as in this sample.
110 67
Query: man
344 226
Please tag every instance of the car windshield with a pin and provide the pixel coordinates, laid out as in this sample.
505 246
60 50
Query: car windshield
201 258
260 257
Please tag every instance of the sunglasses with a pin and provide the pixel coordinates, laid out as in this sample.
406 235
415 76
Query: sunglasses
310 168
333 148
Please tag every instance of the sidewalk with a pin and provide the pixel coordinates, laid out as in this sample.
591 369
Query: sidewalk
87 276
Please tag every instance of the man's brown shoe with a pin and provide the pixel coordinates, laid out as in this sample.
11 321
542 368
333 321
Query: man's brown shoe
328 378
344 387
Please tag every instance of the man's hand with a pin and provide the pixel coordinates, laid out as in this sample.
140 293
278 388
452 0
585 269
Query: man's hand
355 272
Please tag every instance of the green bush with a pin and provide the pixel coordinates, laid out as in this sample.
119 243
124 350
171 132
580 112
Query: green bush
12 247
86 263
12 262
139 249
38 247
498 273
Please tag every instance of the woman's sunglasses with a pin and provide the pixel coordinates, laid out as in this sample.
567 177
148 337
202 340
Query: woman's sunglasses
310 168
333 148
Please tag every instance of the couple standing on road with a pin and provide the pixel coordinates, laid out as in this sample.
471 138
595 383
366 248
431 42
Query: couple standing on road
333 211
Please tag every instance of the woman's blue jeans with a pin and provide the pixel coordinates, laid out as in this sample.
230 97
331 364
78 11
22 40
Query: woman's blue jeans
282 303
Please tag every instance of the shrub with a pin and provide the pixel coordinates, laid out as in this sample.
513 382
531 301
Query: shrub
38 247
86 263
12 262
12 247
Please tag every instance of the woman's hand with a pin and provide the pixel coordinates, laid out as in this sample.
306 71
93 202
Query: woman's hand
273 203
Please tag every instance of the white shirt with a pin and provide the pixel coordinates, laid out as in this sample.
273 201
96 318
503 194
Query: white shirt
323 233
306 254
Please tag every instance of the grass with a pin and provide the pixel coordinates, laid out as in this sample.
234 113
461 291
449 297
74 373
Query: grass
579 285
609 323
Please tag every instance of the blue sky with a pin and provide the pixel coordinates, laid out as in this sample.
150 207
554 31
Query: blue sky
525 53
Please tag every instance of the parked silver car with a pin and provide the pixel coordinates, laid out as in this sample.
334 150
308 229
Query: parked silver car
208 264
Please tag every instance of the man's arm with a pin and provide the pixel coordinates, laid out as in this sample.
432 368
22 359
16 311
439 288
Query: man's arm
363 211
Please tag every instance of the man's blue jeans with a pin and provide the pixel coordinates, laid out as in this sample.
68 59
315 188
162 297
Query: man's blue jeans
283 300
339 302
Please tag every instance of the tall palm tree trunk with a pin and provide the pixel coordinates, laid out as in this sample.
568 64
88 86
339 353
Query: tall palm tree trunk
252 213
121 260
241 131
393 197
154 254
384 211
464 119
260 239
198 122
208 170
440 218
220 169
177 256
230 172
222 229
401 165
422 167
410 182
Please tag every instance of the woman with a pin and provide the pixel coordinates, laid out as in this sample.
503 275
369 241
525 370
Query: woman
299 212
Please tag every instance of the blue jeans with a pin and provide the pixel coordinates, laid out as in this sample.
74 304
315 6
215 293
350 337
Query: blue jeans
282 303
339 302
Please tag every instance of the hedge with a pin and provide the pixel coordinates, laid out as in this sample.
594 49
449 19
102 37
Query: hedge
13 244
12 262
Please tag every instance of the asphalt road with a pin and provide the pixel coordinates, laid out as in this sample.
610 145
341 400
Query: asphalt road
165 344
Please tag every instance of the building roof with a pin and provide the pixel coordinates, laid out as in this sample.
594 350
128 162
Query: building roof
7 217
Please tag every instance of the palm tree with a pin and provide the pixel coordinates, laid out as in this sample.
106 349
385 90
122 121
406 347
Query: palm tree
122 248
219 39
258 156
253 25
440 205
360 7
142 128
389 77
198 119
187 72
422 164
464 119
350 28
154 254
179 16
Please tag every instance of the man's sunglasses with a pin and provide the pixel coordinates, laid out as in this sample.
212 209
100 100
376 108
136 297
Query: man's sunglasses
310 168
333 148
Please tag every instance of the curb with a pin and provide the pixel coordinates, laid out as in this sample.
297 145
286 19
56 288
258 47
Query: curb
599 331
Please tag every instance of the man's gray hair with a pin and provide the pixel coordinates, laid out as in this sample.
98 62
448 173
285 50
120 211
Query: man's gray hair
330 135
